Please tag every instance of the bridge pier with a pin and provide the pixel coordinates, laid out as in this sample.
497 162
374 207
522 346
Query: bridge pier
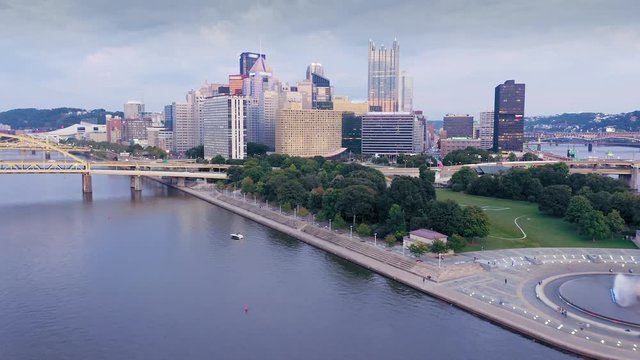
47 155
86 184
635 178
136 183
180 181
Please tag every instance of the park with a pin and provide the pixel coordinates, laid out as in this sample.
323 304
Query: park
520 224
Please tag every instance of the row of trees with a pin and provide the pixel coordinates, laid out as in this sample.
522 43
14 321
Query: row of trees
472 155
602 200
351 193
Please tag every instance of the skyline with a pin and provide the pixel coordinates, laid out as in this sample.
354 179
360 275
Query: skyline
102 55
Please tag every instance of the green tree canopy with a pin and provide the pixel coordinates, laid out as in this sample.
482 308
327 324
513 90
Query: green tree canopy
412 194
418 248
593 224
438 247
615 222
195 152
578 206
427 174
444 216
358 201
456 242
555 200
475 223
256 149
462 178
396 222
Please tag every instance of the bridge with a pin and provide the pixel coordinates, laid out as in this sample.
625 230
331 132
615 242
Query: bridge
72 164
590 136
628 170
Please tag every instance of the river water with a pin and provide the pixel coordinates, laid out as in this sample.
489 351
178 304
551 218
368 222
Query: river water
156 276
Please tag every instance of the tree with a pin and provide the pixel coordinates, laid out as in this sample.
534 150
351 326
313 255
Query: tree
553 174
555 200
256 149
615 222
247 185
438 247
358 201
427 174
396 222
338 222
363 230
418 248
462 178
218 159
445 216
411 194
594 225
578 206
195 152
528 156
303 212
475 223
234 174
469 155
290 191
456 242
390 240
512 157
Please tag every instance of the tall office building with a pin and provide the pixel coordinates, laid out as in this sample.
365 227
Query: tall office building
321 93
135 129
262 89
168 117
486 130
235 84
384 77
133 110
225 126
186 131
420 133
388 133
309 132
314 68
247 60
508 123
406 93
458 125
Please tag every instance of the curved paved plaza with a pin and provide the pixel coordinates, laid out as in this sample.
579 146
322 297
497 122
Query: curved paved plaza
526 282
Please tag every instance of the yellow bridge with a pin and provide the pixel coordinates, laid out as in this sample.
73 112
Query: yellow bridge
72 164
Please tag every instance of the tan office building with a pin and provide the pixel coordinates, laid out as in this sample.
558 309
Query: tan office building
309 132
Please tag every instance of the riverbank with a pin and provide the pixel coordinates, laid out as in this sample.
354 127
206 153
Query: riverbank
409 273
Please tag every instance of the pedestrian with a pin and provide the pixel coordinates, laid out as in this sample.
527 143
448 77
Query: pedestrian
505 281
610 269
423 279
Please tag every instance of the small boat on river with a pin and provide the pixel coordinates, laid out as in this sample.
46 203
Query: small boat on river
237 236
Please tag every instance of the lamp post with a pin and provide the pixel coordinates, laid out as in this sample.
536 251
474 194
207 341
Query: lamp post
350 231
439 259
375 239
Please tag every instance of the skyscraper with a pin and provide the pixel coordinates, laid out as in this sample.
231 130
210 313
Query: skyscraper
309 132
262 89
321 93
168 117
388 134
247 59
458 125
314 68
508 124
486 130
405 103
384 76
225 126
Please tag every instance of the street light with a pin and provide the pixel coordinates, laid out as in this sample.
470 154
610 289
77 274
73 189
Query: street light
375 239
439 259
329 224
351 231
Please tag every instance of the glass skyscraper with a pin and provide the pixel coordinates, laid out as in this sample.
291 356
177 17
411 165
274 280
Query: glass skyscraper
508 123
384 76
247 59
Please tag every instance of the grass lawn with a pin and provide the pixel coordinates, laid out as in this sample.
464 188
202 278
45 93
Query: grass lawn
541 230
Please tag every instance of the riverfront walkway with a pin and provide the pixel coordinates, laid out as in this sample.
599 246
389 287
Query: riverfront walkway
501 286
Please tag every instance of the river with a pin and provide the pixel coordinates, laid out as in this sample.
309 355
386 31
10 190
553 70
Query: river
598 151
156 276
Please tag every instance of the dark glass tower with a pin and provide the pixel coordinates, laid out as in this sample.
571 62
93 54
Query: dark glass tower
321 93
247 59
508 129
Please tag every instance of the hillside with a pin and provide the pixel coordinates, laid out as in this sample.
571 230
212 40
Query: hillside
48 119
590 122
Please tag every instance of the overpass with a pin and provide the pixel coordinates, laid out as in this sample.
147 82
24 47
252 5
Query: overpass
628 170
72 164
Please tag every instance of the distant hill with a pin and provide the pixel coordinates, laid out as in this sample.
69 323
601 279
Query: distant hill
49 119
591 122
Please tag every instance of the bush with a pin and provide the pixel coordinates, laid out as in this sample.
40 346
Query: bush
390 240
363 230
338 222
456 242
302 212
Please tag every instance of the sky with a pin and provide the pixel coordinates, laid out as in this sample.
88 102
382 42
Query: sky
573 55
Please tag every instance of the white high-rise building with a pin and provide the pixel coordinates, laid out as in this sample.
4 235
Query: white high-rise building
224 118
315 68
486 130
133 110
186 131
406 93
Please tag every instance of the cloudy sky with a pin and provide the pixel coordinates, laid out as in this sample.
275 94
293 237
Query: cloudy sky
574 55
